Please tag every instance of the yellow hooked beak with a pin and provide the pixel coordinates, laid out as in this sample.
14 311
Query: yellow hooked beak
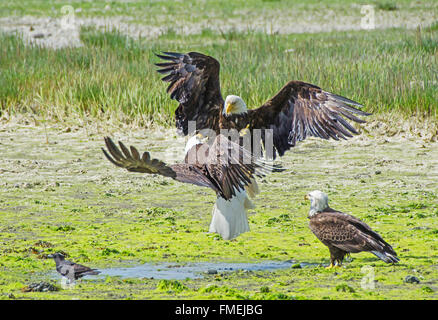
306 197
229 108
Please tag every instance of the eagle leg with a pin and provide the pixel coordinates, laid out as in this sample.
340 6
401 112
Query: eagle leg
336 257
330 266
244 131
334 265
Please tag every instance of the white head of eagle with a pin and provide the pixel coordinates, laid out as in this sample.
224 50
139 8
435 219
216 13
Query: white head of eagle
234 105
318 202
193 141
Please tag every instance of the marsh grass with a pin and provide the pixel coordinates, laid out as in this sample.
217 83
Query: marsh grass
112 75
190 10
386 5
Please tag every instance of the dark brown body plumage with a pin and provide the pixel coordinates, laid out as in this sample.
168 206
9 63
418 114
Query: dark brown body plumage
343 234
297 111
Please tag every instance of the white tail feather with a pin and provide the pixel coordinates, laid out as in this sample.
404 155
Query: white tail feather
229 216
385 256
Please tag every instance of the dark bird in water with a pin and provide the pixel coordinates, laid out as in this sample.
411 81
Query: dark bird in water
70 270
344 234
297 111
223 166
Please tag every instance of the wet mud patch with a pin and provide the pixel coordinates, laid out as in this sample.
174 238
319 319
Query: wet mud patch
193 270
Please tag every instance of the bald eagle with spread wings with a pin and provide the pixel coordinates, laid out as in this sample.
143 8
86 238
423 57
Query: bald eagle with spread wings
223 166
297 111
344 234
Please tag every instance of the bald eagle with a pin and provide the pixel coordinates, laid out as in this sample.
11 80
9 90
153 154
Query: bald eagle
223 166
298 110
343 233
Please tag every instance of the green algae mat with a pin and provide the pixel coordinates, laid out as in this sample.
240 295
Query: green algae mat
59 194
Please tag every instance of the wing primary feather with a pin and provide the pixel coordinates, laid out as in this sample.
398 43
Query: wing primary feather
115 152
175 59
165 64
135 154
125 151
111 159
166 70
348 115
346 124
343 99
334 123
174 54
146 156
168 78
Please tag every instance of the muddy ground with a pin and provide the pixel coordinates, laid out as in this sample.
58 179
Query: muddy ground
59 193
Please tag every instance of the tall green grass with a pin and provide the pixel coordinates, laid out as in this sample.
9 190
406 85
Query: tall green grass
113 75
164 12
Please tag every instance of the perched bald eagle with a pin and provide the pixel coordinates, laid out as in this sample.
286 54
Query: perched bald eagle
223 166
298 110
343 233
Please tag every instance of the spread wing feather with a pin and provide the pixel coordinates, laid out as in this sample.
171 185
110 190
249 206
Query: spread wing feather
194 83
232 167
131 161
300 110
226 168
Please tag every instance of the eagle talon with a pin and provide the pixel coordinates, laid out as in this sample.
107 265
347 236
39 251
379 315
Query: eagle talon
336 265
244 131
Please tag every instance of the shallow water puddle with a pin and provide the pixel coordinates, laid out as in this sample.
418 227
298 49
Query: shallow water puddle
191 270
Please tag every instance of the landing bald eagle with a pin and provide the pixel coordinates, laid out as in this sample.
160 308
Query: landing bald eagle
343 233
298 110
223 166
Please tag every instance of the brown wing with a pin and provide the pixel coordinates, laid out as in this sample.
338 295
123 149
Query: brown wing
349 234
301 109
131 161
222 175
232 167
194 83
